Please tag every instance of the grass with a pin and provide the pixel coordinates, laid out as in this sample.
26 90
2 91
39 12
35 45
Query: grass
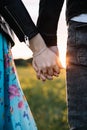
46 100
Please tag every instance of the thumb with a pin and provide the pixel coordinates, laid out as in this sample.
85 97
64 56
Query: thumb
34 66
59 63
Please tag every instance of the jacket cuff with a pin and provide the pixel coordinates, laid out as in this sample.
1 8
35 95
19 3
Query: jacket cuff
50 40
19 19
32 34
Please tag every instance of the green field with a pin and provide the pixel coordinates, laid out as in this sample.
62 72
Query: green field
46 100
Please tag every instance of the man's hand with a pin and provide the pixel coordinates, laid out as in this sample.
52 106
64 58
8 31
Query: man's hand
55 50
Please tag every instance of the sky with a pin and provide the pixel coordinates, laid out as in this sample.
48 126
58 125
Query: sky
20 50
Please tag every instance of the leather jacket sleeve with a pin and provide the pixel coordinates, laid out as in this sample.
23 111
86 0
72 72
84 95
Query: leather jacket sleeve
6 31
49 12
16 15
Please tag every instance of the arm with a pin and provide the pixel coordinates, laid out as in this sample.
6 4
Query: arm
45 61
49 12
16 15
19 20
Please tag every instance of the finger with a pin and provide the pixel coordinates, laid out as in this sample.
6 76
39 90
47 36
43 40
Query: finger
59 63
38 75
50 71
55 74
47 73
46 76
44 71
49 77
34 66
42 77
56 69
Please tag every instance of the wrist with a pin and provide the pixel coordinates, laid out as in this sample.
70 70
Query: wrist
39 52
54 49
37 43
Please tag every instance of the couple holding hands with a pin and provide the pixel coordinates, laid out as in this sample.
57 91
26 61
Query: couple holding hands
15 18
42 40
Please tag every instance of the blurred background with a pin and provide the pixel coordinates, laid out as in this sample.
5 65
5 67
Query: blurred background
46 100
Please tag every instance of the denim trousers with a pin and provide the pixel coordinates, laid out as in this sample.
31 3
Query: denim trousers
76 74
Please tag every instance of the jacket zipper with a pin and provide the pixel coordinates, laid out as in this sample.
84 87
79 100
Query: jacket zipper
26 39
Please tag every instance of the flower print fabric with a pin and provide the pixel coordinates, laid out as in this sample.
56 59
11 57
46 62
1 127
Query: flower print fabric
15 113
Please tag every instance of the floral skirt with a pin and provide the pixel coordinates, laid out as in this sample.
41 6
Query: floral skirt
15 113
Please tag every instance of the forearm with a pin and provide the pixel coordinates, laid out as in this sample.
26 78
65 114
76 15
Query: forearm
49 12
16 15
37 43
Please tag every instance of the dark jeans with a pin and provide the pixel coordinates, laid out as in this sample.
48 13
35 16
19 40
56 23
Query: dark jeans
77 75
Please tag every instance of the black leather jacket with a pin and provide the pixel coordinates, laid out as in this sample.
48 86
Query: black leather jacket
16 15
19 20
6 30
49 14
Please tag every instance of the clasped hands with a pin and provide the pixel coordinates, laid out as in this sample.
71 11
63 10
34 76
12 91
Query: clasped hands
47 64
46 61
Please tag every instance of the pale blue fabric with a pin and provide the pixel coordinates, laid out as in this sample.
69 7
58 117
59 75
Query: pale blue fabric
15 113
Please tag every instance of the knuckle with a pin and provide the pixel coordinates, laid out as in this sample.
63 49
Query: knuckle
48 65
54 63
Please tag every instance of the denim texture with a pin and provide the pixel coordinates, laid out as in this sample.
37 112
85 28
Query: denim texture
77 75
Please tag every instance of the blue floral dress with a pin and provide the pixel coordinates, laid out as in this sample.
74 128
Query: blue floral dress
15 113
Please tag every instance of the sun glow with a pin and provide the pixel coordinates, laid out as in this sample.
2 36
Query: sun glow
62 55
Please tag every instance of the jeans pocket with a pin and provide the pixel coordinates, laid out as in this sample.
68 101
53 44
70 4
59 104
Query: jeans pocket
82 56
81 35
81 42
77 34
77 44
71 36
